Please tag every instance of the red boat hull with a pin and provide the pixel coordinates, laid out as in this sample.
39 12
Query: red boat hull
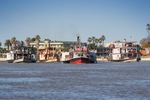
81 60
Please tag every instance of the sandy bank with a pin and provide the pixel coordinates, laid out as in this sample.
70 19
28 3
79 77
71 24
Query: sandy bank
145 59
3 59
142 59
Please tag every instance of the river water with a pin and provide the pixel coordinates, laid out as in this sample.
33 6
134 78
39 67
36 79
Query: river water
56 81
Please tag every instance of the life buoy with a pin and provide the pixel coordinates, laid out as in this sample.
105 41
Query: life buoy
33 56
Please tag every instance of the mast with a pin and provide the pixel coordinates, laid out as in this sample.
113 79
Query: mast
78 41
148 29
79 44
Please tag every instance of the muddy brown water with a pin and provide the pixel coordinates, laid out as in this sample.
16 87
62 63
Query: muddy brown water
56 81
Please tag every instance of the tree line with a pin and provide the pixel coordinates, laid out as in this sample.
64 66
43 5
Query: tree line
94 42
13 43
145 42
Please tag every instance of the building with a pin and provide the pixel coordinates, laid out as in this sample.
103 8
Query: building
46 43
103 51
54 44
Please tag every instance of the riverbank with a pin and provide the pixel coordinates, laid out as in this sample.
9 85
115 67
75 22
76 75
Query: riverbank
143 58
3 59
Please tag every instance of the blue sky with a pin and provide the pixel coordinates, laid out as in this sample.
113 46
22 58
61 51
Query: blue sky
65 19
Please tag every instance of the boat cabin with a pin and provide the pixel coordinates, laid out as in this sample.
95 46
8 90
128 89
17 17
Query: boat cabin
123 51
25 54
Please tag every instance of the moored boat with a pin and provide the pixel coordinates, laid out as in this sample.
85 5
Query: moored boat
47 54
26 55
78 54
124 52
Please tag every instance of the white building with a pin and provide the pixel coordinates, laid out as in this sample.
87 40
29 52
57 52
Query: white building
53 44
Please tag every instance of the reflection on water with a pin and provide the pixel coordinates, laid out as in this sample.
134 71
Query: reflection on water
56 81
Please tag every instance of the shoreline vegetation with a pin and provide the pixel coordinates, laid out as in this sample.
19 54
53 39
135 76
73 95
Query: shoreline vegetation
143 58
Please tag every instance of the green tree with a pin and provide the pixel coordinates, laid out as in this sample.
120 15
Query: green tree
28 41
103 39
93 39
7 43
100 41
33 39
0 44
89 40
19 44
13 42
96 41
93 43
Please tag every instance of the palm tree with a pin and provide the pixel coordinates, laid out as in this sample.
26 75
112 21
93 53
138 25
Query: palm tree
100 41
37 39
28 40
103 39
96 41
7 43
13 42
33 39
18 44
93 39
89 40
